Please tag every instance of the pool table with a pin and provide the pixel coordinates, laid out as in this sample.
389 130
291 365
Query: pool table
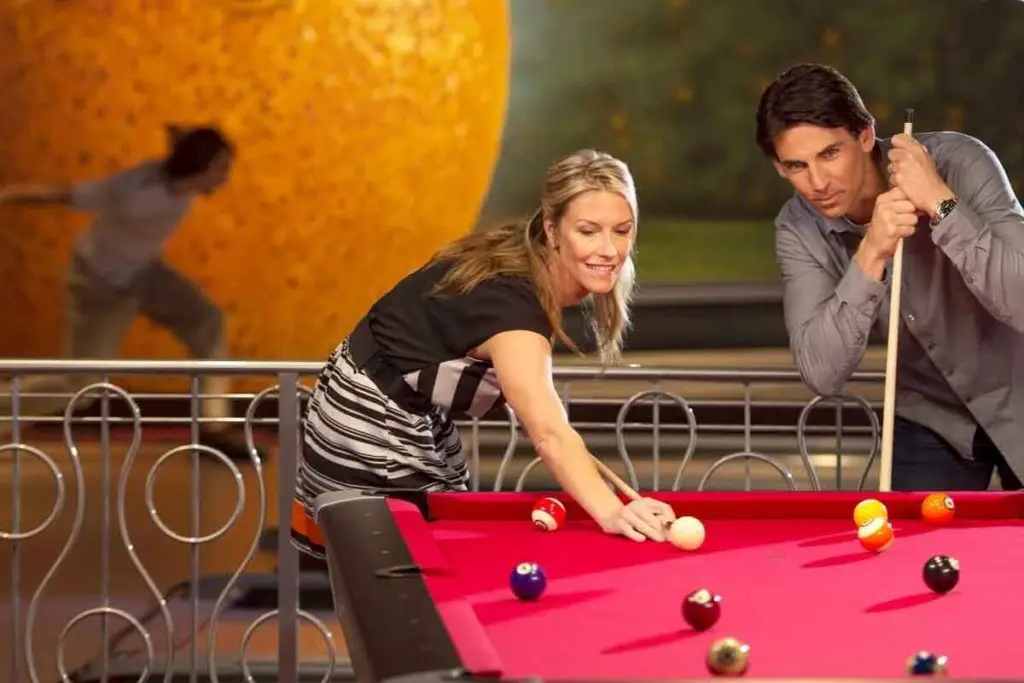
421 585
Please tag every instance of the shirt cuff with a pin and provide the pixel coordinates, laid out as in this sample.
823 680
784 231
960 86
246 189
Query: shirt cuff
957 231
860 291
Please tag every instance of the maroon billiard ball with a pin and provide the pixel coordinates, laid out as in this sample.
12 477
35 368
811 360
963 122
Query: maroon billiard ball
701 609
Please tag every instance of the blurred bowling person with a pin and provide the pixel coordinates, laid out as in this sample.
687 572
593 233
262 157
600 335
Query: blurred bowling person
117 271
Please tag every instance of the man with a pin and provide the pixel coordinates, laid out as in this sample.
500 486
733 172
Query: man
960 387
117 272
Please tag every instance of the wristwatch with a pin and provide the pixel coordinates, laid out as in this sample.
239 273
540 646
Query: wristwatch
945 207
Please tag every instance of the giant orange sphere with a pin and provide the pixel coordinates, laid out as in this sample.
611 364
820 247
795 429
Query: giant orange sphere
367 133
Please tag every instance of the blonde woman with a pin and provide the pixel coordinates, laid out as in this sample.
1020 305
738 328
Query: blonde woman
473 328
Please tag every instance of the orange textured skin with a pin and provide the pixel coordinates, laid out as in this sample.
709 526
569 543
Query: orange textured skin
367 135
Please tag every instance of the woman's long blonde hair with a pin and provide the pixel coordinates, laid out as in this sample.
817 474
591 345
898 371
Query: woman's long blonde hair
522 248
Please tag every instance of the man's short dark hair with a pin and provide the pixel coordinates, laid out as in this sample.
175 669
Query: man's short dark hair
812 94
193 150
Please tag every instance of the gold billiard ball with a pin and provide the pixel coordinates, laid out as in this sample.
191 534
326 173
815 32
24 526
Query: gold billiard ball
728 657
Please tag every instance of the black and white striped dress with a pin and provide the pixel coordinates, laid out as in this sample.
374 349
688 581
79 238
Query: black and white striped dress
381 412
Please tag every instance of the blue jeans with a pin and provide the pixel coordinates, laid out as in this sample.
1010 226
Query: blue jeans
924 461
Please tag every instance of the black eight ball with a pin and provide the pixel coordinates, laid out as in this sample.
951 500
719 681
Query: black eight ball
926 663
941 573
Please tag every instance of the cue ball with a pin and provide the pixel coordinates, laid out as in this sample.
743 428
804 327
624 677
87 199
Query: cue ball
686 533
528 581
941 573
701 609
728 657
926 663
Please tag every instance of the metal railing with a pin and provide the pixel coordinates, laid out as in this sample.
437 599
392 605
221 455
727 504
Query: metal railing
708 420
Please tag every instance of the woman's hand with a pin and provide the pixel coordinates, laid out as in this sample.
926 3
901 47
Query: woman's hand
640 520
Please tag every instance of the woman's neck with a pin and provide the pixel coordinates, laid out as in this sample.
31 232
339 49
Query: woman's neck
567 291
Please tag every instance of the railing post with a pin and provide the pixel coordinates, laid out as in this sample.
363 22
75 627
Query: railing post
287 555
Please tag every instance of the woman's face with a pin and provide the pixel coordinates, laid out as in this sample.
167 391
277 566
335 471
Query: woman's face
591 243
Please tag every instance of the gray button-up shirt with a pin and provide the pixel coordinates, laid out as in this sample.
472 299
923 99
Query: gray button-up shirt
961 346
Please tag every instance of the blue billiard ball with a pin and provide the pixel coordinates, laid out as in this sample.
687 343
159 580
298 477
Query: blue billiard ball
528 581
925 663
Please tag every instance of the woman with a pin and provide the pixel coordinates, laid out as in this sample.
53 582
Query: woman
472 328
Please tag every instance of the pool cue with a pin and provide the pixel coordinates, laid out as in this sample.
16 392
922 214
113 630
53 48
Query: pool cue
892 350
622 486
617 481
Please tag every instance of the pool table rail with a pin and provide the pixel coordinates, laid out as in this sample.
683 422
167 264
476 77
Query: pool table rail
391 623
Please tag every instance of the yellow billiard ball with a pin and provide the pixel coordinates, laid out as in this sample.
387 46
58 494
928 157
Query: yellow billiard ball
869 509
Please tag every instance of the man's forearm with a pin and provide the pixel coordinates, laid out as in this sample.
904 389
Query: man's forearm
829 345
990 257
983 236
35 194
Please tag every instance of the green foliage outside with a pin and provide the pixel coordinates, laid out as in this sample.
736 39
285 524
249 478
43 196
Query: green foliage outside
671 87
670 251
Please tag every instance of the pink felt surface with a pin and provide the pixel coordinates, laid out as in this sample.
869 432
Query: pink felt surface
801 591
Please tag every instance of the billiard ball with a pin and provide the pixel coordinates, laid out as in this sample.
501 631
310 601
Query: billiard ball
701 609
938 509
728 657
876 535
926 663
686 533
528 581
548 514
941 573
869 509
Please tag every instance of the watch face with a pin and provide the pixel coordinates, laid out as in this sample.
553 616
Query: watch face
945 206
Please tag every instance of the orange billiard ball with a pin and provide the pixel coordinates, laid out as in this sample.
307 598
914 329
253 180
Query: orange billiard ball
938 509
867 510
876 535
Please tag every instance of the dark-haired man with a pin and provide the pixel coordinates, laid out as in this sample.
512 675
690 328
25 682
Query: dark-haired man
117 272
960 388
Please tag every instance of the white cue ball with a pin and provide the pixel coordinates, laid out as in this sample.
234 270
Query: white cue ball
686 533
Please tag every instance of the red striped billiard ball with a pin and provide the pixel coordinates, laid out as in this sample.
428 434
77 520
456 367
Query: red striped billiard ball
701 609
548 514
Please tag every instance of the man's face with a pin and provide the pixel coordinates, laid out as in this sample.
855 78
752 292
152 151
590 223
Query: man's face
827 166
